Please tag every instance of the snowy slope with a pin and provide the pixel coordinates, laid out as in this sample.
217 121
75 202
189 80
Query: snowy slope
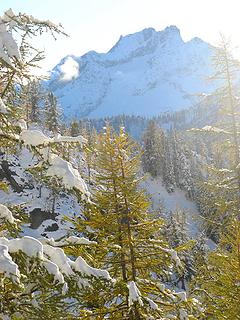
173 201
145 73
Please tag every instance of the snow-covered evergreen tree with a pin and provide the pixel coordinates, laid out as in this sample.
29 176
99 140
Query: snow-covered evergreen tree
74 128
52 113
37 279
177 235
32 97
153 150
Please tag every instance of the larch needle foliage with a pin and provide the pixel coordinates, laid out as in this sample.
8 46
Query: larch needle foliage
129 241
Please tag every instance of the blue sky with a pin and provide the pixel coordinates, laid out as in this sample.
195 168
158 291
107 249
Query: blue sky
97 24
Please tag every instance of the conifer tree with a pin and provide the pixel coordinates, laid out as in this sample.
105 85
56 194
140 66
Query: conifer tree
227 70
37 280
153 148
129 240
221 188
32 98
177 236
89 153
218 280
52 114
74 128
16 60
218 275
181 161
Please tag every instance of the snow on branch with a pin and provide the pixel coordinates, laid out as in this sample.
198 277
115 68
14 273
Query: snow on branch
171 252
152 304
7 266
6 214
208 129
72 240
28 25
3 108
28 245
8 46
58 256
134 294
174 256
181 295
214 129
81 266
34 138
53 259
37 138
53 269
59 167
69 176
78 139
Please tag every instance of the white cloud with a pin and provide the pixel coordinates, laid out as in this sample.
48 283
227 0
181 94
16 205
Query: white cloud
70 69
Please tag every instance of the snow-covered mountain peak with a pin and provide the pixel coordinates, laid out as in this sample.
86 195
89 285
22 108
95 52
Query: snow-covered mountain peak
145 41
171 32
144 73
